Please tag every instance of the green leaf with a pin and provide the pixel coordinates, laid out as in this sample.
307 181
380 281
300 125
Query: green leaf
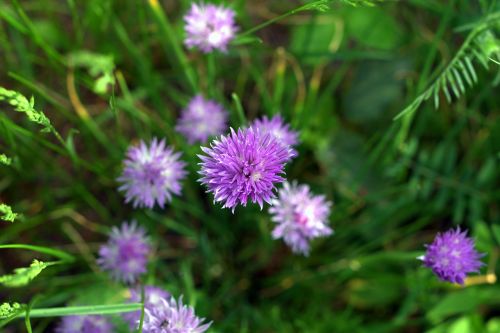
463 301
100 66
493 326
373 27
7 214
22 276
9 310
5 160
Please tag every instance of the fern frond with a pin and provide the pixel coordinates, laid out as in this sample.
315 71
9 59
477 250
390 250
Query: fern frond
7 214
100 66
22 276
22 104
478 47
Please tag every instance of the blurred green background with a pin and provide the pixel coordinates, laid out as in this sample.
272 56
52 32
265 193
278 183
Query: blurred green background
110 72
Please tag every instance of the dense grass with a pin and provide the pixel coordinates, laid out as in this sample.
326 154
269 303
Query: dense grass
108 73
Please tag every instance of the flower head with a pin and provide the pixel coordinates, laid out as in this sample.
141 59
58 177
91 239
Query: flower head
152 298
151 174
125 254
279 130
452 255
201 119
173 317
242 166
84 324
209 27
300 216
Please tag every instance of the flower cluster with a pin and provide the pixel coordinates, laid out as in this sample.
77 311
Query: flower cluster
452 256
201 119
279 130
171 316
242 166
84 324
151 174
299 216
125 254
209 27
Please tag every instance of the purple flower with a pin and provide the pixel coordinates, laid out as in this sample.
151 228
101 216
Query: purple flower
243 166
151 174
125 254
279 130
452 255
201 119
300 216
84 324
173 317
152 298
209 27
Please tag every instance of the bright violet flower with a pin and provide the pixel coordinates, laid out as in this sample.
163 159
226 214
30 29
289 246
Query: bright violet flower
209 27
201 119
152 298
125 254
173 317
84 324
242 166
151 174
452 256
279 130
300 216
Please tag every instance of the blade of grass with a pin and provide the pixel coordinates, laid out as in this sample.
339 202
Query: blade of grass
83 310
42 249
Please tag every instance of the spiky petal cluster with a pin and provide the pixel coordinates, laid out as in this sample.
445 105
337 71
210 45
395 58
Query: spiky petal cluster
242 166
152 298
151 174
125 254
84 324
170 316
201 119
300 216
280 130
452 256
209 27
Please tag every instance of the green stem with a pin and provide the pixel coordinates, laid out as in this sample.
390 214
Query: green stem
168 31
83 310
309 6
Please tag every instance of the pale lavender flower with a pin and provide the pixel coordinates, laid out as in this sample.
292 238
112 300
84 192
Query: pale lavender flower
452 256
279 129
201 119
209 27
243 166
173 317
84 324
151 174
152 298
125 254
300 216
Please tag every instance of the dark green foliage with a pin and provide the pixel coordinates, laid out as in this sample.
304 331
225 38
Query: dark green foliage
110 72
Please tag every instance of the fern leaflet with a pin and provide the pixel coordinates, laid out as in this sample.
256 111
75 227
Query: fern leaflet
479 47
